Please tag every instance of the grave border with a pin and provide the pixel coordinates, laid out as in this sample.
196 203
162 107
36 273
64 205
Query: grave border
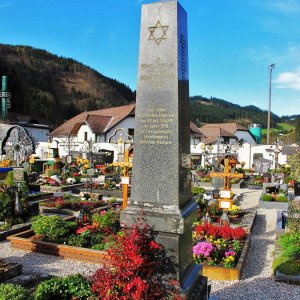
23 241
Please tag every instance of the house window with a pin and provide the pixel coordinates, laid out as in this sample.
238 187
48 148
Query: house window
85 136
131 131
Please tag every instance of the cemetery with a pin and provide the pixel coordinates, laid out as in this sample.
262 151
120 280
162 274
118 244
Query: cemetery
144 226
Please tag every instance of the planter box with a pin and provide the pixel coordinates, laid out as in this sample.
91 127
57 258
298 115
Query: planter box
107 193
14 230
221 273
203 184
60 211
23 241
278 276
255 187
274 204
64 188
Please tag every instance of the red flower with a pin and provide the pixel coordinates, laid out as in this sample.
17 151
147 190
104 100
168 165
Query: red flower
153 245
91 228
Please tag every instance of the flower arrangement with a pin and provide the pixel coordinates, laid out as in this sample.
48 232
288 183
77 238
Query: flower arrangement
234 210
6 163
216 245
139 268
73 203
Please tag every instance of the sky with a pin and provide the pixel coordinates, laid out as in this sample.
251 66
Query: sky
231 43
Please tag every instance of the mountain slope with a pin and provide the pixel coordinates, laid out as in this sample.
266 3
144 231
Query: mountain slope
56 88
213 110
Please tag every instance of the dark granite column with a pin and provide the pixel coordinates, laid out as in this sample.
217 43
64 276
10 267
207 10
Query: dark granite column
161 183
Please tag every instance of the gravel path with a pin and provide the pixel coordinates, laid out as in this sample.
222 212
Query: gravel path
257 282
45 264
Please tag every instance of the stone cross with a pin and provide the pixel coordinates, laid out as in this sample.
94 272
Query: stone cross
161 174
227 175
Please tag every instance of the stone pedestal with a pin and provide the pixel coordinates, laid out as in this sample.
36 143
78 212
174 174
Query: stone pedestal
161 175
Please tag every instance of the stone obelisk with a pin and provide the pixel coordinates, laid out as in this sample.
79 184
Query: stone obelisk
161 183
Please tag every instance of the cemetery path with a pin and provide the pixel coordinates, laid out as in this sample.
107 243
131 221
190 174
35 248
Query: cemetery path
257 282
45 264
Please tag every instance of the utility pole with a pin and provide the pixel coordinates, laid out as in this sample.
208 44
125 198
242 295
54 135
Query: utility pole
271 67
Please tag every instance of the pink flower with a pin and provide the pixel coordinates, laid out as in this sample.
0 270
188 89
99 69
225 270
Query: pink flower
230 253
203 248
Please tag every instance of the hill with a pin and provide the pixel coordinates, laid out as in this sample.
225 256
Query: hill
214 110
56 88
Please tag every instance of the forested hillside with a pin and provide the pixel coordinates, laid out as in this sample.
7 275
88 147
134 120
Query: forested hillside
56 88
213 110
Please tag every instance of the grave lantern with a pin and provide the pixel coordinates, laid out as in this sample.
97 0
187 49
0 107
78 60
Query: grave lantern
84 217
224 220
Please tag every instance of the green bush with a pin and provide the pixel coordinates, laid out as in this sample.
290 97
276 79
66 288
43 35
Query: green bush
281 198
240 170
5 206
267 197
286 265
76 240
9 179
63 288
54 288
290 244
107 219
78 286
53 227
198 190
10 291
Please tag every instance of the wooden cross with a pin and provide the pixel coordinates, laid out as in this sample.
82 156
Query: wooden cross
126 165
227 175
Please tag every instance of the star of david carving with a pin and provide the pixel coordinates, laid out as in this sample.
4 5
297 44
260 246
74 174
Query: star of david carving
158 33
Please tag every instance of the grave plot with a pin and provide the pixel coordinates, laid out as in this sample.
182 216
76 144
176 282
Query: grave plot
286 265
84 238
222 234
274 193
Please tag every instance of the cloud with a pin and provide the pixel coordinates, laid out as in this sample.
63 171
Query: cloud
287 55
6 4
285 6
289 80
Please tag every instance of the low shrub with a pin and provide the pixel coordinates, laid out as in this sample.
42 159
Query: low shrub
267 197
139 267
286 266
78 286
281 198
64 288
54 288
10 291
290 244
76 240
106 219
53 227
198 190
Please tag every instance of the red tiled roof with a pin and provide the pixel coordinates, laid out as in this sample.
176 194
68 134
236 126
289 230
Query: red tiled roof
215 132
99 120
98 123
229 127
195 130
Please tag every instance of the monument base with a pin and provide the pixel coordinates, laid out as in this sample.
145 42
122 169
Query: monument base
174 232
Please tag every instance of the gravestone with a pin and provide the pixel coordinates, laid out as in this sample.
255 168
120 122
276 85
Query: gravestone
262 165
161 175
297 188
